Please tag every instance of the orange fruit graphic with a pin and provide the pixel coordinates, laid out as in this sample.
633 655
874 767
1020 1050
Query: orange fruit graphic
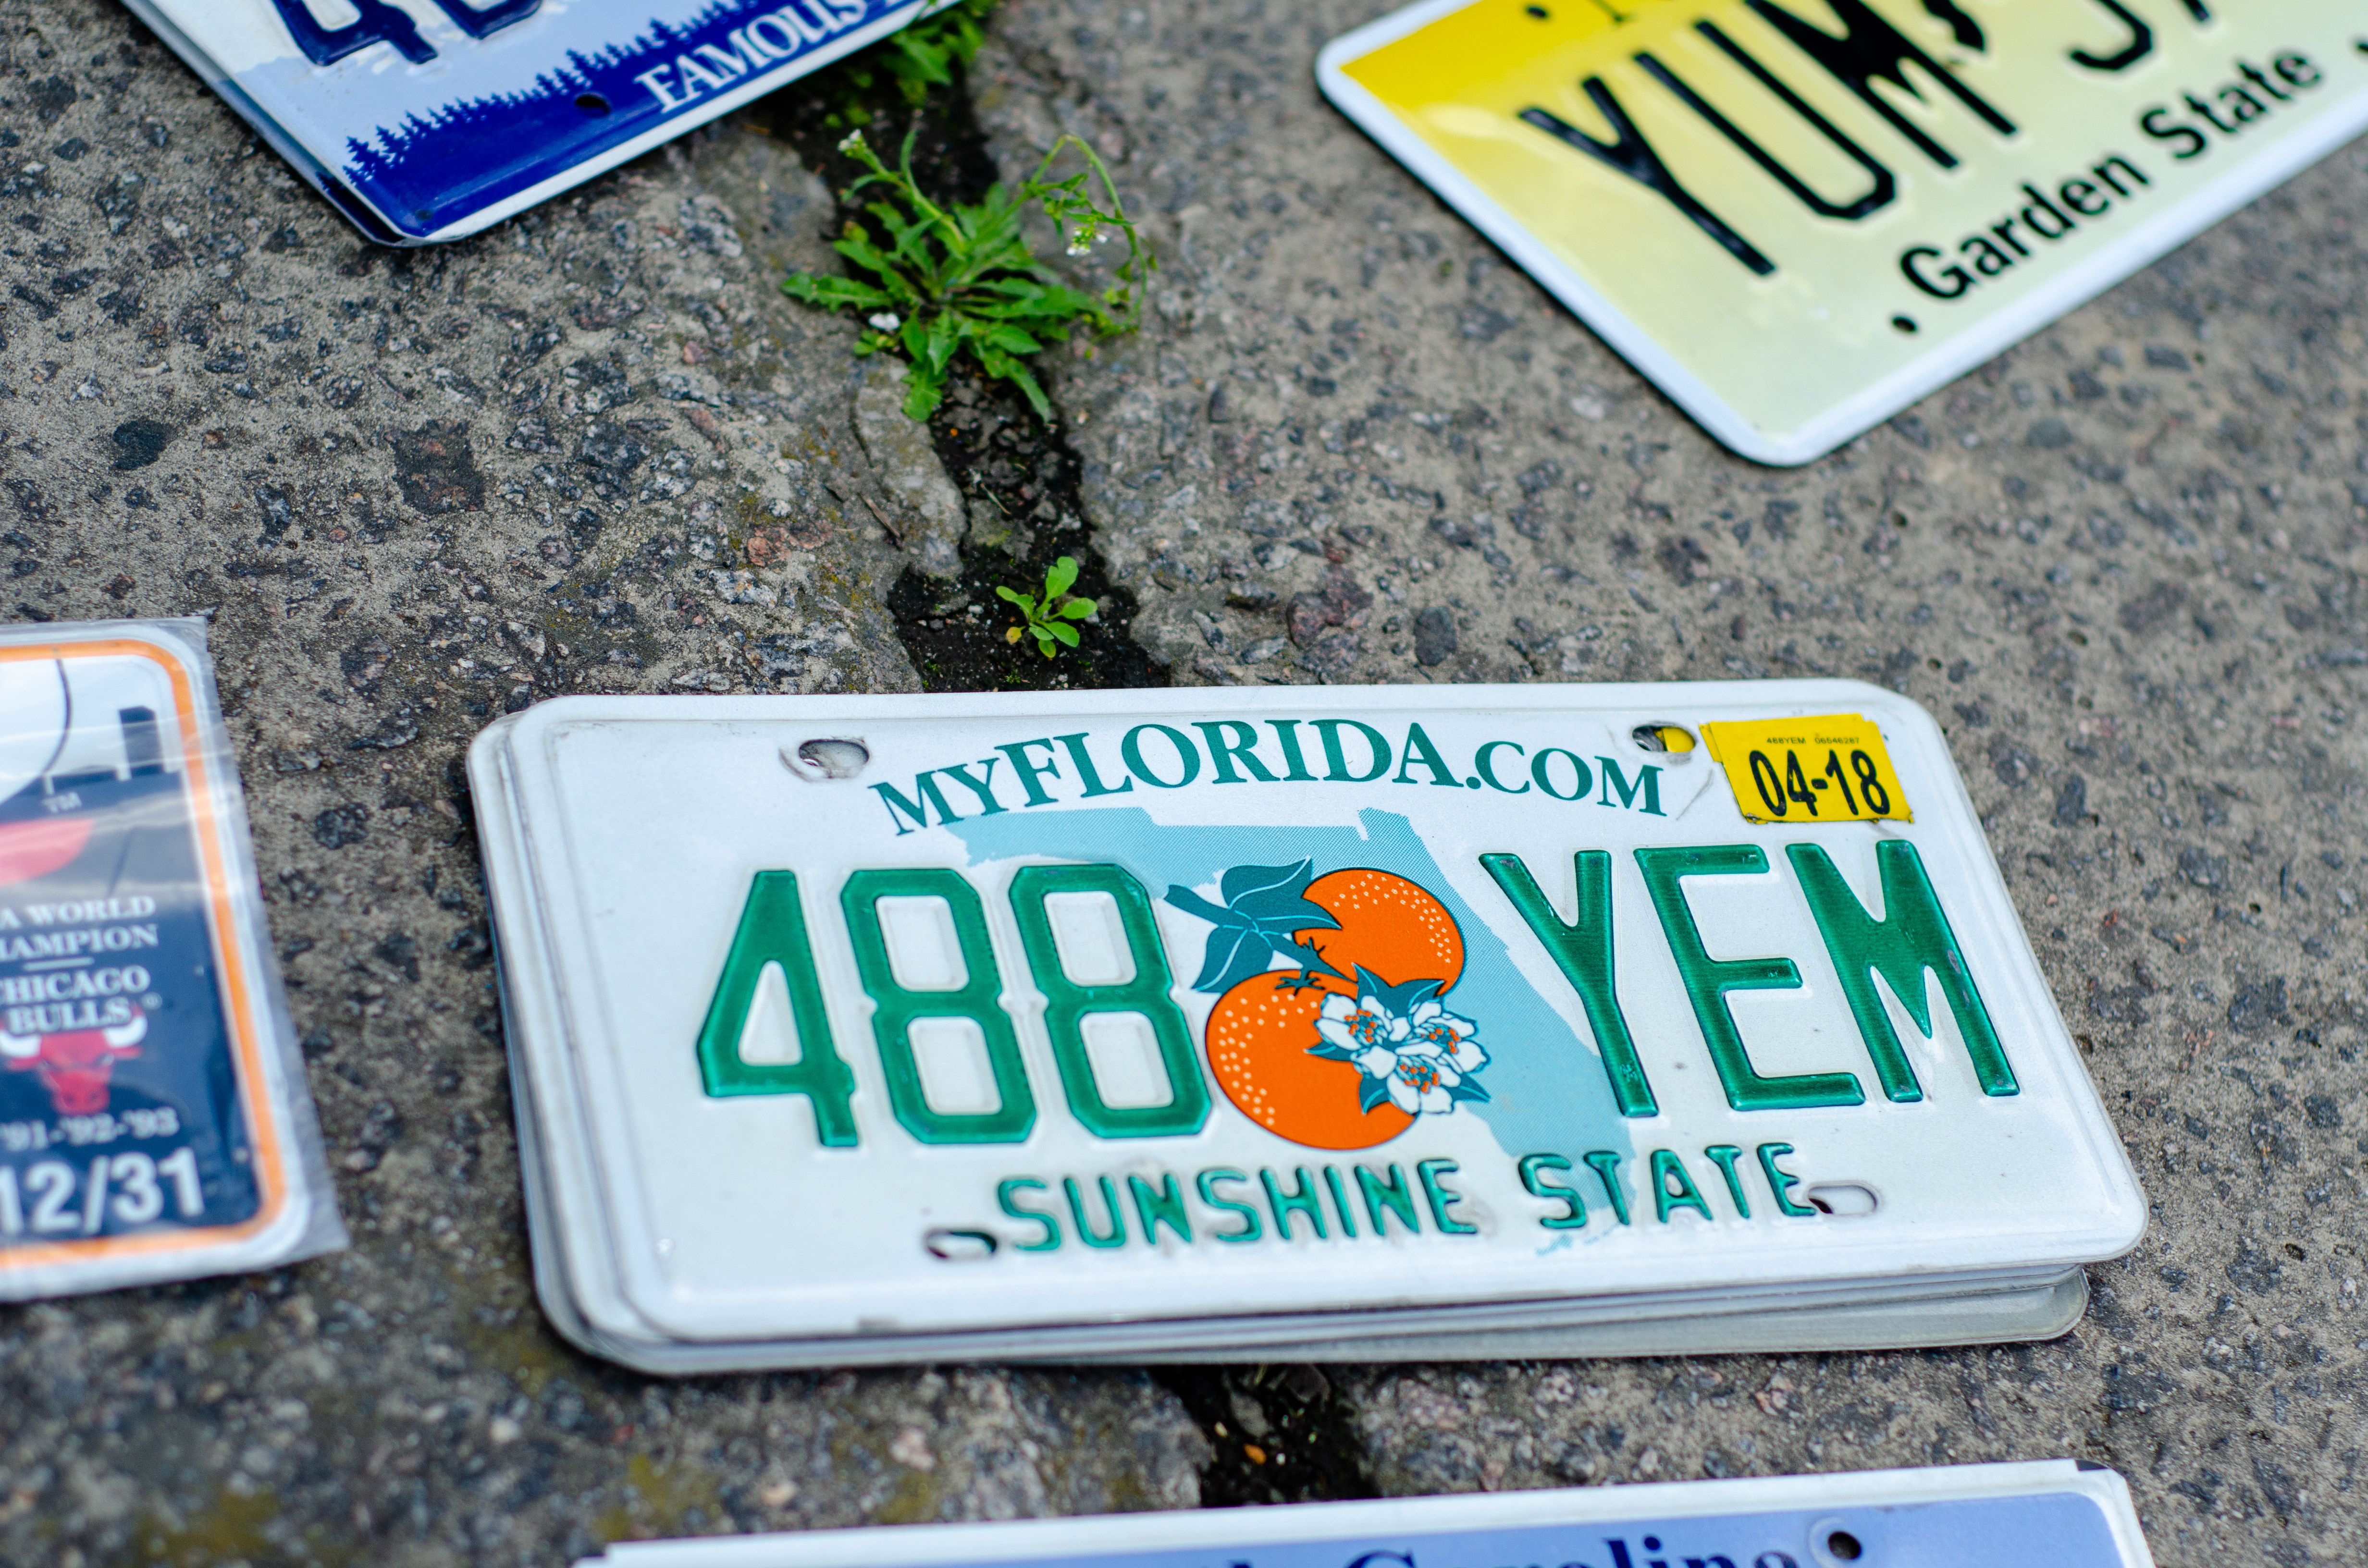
1388 925
1259 1032
1259 1036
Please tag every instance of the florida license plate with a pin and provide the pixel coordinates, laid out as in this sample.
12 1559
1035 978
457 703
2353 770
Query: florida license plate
1800 216
879 1017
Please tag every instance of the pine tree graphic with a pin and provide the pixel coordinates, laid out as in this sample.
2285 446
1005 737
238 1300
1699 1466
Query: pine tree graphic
438 165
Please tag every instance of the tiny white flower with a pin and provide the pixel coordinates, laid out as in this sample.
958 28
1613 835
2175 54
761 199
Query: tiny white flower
1417 1089
886 320
850 143
1358 1026
1079 247
1442 1034
1420 1059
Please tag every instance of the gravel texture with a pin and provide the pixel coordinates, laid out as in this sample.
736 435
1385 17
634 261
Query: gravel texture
594 450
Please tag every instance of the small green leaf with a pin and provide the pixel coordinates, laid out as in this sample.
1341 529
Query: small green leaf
1062 630
1027 383
832 293
962 276
1061 576
1025 601
1078 609
924 393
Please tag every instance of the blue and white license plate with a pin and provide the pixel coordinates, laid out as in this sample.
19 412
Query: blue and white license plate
844 1023
428 121
149 1123
2057 1513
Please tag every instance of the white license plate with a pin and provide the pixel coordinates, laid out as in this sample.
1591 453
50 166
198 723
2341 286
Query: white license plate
430 122
1977 1516
1800 216
897 1016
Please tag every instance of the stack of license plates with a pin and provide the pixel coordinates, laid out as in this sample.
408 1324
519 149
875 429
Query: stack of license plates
1329 1023
2063 1513
427 122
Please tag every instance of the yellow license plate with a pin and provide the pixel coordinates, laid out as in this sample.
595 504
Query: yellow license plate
1800 216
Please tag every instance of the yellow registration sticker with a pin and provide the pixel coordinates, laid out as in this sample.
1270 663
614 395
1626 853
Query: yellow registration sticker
1827 768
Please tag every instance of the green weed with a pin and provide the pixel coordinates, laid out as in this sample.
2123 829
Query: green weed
1046 617
947 281
918 56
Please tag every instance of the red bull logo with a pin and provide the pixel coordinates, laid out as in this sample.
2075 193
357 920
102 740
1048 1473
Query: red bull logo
76 1065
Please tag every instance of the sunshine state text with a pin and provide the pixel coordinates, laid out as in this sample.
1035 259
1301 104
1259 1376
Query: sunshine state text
1233 1207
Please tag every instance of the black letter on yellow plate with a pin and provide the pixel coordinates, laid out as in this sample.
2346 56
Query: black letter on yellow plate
1634 157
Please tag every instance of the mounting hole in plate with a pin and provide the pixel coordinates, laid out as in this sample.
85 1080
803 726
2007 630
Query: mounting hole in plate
1843 1199
593 105
1832 1544
959 1247
1675 741
829 758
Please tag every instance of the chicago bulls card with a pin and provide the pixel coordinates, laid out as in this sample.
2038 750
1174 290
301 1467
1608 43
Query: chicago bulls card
154 1123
